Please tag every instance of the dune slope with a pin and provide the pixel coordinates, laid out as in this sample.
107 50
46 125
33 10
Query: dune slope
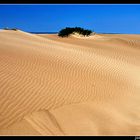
69 86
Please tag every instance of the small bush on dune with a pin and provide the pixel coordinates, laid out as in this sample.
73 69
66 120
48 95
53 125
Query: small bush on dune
67 31
6 28
14 29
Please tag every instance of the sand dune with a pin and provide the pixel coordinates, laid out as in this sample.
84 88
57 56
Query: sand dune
69 86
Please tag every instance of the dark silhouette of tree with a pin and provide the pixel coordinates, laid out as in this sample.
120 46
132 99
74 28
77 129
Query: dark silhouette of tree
6 28
14 29
67 31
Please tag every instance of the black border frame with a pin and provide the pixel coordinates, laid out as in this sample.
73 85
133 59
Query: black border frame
3 2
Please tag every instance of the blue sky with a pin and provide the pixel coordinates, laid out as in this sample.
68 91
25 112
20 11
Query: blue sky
104 18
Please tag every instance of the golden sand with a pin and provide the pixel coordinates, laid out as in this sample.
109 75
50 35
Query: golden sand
69 86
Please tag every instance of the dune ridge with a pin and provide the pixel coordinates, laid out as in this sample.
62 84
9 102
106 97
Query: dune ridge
69 86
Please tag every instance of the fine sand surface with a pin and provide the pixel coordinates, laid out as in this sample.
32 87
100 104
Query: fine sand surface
69 86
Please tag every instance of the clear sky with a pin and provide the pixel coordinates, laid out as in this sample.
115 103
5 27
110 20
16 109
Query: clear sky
51 18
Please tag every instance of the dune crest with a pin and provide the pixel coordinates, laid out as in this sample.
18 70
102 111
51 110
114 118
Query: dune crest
69 86
92 36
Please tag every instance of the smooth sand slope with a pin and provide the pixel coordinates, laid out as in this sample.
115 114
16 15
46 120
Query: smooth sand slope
69 86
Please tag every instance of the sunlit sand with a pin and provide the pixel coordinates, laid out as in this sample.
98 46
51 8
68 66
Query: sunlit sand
69 86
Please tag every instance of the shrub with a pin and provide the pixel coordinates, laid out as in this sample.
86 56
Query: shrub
14 29
6 28
67 31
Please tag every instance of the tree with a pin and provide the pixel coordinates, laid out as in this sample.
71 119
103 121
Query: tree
14 29
6 28
67 31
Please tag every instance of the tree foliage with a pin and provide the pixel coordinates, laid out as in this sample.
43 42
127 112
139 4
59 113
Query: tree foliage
14 29
67 31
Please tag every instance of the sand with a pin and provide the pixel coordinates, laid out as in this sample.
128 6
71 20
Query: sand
69 86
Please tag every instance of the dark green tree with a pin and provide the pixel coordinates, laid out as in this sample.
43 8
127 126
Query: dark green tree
67 31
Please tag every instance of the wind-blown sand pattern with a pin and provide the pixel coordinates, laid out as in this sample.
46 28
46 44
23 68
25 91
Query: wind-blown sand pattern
69 86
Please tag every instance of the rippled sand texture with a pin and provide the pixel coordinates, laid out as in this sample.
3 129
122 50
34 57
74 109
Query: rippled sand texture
69 86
